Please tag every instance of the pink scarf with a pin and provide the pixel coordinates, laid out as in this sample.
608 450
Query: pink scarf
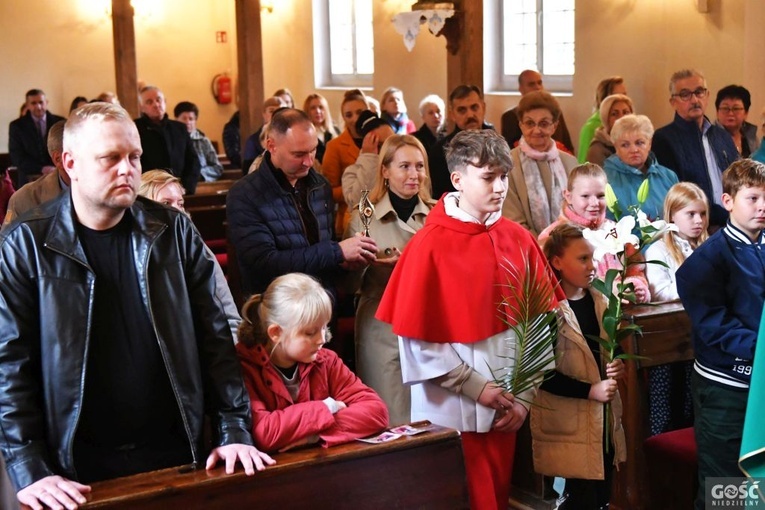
543 208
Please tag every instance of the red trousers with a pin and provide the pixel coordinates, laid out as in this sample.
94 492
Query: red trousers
489 468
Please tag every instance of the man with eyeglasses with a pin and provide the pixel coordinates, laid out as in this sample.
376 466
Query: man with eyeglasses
697 150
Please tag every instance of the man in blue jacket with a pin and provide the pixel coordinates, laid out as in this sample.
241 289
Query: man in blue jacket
281 216
694 148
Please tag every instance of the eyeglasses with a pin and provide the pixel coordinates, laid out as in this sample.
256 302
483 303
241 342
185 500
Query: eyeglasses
685 95
543 124
731 109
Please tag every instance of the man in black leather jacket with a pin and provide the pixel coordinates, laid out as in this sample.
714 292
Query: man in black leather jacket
112 344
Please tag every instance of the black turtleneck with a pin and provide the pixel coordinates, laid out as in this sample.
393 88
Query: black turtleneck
404 207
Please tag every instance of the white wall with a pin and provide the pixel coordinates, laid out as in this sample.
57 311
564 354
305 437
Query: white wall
65 48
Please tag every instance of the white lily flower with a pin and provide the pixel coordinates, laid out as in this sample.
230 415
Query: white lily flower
612 241
657 227
643 222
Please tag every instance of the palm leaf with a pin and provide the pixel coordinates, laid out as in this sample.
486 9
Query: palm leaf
526 302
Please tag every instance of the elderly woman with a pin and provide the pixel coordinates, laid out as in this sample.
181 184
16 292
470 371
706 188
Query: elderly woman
633 163
540 171
166 189
612 108
432 110
317 108
606 87
401 199
732 105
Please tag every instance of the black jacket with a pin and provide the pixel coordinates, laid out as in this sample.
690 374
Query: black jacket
440 180
28 150
46 302
168 146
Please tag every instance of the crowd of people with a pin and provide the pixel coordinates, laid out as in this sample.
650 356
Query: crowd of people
119 334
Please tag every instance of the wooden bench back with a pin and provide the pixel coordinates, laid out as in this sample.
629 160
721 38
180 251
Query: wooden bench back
424 472
666 339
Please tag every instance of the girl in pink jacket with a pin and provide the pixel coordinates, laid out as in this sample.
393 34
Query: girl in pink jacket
584 205
300 393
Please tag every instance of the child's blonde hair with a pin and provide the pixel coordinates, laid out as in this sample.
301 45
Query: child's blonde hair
679 196
585 170
290 301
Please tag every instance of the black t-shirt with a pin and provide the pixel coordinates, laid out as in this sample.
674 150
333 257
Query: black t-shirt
128 401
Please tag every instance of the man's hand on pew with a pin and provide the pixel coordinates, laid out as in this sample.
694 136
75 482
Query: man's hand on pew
56 492
250 457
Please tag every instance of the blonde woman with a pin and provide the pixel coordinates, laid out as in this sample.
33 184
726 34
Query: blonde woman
612 108
401 198
317 108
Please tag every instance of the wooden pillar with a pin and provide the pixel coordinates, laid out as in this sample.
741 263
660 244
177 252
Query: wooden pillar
125 66
464 33
249 40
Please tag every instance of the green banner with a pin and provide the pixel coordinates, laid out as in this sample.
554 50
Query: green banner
752 457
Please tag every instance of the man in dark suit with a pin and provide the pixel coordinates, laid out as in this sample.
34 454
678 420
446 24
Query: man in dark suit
27 138
166 143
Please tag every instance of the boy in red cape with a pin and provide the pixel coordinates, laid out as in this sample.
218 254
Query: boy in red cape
444 302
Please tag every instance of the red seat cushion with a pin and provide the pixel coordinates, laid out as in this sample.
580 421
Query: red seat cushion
222 259
674 446
217 245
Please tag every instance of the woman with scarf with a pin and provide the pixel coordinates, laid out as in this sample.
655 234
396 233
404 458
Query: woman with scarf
540 171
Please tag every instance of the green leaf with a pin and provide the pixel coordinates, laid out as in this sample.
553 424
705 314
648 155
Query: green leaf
600 286
609 325
527 295
657 262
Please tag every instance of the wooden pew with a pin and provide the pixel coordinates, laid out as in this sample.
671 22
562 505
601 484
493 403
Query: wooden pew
666 339
231 173
214 187
210 221
424 472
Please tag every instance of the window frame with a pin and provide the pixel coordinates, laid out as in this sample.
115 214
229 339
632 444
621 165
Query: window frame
323 76
494 50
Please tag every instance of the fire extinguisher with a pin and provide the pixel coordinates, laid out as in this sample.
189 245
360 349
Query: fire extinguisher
221 88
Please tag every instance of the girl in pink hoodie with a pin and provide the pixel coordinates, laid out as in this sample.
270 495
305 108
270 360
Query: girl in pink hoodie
584 204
